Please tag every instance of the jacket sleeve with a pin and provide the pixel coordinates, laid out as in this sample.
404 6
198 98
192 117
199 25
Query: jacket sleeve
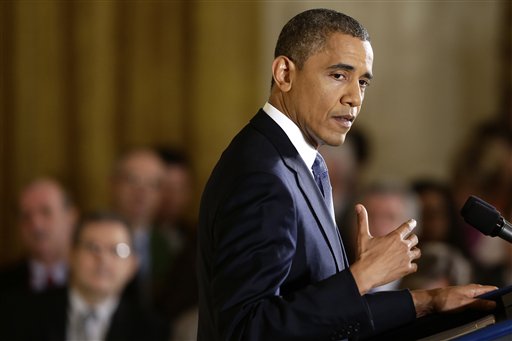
255 237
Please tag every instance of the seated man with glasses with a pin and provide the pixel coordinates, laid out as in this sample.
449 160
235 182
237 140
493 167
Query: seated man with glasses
93 307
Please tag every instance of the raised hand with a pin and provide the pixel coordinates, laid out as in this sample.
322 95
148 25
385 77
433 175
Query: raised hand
381 260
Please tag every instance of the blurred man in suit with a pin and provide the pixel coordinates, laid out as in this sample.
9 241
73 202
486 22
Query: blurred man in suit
92 308
46 220
136 196
389 203
271 264
178 296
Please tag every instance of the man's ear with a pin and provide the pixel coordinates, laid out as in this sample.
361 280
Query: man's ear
283 71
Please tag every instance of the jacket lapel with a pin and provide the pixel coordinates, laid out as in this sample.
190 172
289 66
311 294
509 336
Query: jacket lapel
263 123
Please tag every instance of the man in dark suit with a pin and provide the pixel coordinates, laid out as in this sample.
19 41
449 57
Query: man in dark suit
92 307
271 263
46 220
136 188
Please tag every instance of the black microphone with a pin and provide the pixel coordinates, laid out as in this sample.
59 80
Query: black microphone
485 218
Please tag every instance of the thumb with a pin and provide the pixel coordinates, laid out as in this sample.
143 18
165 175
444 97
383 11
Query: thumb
363 228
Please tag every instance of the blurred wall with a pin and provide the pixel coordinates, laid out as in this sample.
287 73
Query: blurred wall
83 81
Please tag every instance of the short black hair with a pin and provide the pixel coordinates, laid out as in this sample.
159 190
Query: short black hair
307 32
172 156
100 217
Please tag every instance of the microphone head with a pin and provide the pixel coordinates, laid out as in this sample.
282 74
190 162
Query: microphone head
482 216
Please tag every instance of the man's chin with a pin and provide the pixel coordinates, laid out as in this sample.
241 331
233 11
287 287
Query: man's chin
335 142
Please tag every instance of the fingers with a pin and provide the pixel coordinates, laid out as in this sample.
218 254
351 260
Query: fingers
362 223
406 228
478 289
412 240
414 253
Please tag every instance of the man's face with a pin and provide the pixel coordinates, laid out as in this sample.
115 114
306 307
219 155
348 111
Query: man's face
45 221
326 94
386 211
137 188
102 262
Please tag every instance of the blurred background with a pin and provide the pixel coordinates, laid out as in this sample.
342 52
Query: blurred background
84 81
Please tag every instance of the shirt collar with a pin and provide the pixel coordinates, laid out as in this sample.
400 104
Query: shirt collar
39 274
103 310
306 151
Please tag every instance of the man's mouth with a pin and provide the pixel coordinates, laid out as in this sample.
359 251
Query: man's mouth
345 120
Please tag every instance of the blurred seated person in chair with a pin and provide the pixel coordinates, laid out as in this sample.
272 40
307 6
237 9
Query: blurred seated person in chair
179 294
439 216
440 265
176 199
136 196
389 202
46 220
92 308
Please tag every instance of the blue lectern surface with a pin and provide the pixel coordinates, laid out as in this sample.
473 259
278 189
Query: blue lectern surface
498 331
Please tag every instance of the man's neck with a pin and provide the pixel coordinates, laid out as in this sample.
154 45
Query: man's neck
92 299
50 261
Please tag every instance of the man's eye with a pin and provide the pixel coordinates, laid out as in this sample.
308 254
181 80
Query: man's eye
364 83
337 76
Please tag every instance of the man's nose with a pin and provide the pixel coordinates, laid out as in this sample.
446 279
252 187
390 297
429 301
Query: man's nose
353 96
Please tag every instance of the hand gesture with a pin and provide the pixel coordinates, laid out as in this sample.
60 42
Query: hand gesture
381 260
451 299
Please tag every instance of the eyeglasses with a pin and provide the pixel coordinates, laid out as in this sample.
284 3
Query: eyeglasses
119 250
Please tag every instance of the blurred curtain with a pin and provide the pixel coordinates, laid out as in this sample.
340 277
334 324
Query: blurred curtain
83 81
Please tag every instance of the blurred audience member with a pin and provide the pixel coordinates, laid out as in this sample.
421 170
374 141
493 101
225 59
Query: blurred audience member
438 214
440 265
179 298
389 204
484 168
177 190
46 220
346 165
136 196
92 307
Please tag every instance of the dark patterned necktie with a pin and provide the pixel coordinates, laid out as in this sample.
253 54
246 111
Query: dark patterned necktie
321 176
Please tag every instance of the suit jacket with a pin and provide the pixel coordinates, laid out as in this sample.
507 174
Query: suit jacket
43 317
150 288
271 265
15 278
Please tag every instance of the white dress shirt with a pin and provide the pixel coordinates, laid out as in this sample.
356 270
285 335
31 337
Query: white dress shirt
95 326
306 151
40 274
